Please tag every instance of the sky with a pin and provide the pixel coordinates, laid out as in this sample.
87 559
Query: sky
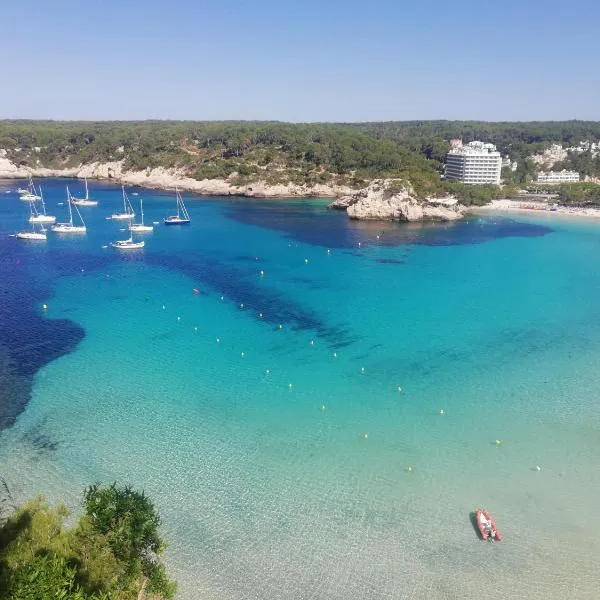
288 60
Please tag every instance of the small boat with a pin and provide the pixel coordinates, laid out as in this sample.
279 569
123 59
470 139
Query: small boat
127 244
127 209
182 217
140 227
84 201
70 227
40 217
487 525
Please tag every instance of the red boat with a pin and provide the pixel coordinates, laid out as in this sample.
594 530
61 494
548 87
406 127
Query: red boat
487 525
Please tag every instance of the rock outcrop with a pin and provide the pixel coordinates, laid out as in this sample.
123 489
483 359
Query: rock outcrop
385 200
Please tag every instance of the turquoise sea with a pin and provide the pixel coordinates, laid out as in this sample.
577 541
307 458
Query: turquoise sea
319 421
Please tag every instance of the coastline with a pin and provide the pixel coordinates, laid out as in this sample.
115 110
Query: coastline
535 208
169 179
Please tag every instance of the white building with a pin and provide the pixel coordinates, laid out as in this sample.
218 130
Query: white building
474 163
563 176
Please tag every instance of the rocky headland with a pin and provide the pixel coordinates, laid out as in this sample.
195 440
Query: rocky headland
396 201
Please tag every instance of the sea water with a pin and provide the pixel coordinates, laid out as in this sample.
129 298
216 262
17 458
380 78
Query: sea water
316 406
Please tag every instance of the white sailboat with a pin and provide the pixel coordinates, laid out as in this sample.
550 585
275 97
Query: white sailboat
40 217
29 193
127 244
182 217
84 201
127 209
33 234
70 227
140 227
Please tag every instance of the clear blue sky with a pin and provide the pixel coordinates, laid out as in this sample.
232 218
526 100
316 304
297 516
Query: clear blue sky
333 60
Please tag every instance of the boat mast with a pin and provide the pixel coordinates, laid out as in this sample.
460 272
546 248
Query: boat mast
70 208
142 209
86 188
42 199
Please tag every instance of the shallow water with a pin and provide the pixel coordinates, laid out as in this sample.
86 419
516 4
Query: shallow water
318 478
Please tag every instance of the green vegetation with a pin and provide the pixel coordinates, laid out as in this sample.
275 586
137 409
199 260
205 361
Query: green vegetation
112 553
279 153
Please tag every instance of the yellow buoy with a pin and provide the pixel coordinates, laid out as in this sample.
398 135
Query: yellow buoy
441 411
498 442
409 469
365 436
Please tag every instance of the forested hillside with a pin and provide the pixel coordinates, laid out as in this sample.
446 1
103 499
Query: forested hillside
276 152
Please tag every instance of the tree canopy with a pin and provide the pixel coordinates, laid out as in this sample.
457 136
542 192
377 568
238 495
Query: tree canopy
112 553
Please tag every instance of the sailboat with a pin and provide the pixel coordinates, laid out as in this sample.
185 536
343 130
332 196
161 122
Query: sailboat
127 209
140 227
69 227
33 234
182 217
84 201
28 193
127 244
40 217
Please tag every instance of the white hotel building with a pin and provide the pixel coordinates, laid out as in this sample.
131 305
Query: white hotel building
563 176
474 163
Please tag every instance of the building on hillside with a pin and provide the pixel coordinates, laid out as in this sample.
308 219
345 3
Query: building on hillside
475 162
563 176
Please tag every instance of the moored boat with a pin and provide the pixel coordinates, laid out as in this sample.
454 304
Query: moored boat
70 227
127 244
40 216
127 213
84 201
487 525
182 217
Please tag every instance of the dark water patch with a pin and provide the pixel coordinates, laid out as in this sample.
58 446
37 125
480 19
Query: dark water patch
315 225
238 287
38 438
390 261
28 339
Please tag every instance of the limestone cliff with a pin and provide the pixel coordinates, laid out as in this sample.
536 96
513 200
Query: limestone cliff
387 200
163 178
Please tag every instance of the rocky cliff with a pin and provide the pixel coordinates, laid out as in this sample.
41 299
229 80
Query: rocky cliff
389 200
163 178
